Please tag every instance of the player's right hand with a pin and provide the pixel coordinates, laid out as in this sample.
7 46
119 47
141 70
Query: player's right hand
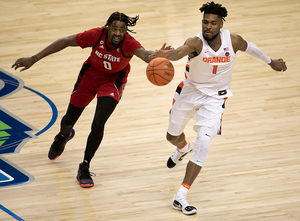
24 62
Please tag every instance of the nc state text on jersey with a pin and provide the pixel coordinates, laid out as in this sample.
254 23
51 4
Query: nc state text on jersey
108 57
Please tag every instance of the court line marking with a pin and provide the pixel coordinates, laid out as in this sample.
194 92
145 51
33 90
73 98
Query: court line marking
11 213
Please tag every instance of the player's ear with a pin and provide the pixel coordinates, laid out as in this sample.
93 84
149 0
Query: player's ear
221 24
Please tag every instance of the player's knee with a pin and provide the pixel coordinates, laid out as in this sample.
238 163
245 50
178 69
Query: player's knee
201 150
203 143
207 132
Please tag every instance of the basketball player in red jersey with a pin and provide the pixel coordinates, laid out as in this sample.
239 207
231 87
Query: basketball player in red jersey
211 54
103 74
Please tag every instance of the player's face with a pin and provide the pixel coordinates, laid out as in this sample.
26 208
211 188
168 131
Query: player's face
116 32
211 25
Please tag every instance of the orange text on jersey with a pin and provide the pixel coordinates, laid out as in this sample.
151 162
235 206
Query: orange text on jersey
217 59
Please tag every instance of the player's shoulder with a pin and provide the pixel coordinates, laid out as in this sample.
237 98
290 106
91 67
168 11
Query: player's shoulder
129 40
93 32
96 29
130 44
236 37
237 41
128 37
100 30
194 41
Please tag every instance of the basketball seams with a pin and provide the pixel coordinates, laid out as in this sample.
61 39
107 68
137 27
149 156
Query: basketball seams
161 77
157 79
155 65
161 69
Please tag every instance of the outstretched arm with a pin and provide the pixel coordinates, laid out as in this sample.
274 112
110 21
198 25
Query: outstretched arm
56 46
143 54
147 56
190 46
239 44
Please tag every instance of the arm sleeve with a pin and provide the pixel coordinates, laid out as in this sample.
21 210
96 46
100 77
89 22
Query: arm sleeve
256 52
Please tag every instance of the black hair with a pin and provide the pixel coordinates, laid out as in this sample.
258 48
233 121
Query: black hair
117 16
213 8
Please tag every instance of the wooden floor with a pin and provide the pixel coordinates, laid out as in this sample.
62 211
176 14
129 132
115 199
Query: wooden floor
252 170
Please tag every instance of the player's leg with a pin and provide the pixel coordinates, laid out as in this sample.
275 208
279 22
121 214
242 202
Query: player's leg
70 118
182 111
178 141
66 131
108 96
208 124
105 107
204 137
193 168
183 147
82 95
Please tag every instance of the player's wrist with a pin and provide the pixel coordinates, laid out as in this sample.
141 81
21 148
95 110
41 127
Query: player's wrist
271 62
34 58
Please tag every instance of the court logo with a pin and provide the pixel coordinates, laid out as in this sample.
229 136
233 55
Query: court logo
14 134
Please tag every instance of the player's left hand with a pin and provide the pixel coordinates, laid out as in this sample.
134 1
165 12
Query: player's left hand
278 65
163 52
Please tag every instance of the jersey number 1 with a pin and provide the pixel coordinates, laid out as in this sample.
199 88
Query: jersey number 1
215 67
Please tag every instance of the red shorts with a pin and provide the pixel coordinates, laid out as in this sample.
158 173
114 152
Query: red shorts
91 82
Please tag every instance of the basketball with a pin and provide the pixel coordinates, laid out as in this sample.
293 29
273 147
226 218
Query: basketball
160 71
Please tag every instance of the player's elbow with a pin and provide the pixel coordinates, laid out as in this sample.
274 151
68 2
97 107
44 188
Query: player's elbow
178 56
68 41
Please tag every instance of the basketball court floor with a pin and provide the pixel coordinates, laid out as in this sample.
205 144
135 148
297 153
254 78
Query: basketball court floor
252 169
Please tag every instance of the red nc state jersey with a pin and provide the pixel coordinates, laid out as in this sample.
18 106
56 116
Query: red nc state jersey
105 57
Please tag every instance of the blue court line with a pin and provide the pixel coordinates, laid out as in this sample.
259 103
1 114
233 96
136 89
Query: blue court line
11 213
53 107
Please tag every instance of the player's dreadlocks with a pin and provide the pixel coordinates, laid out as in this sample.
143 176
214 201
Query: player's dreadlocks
213 8
117 16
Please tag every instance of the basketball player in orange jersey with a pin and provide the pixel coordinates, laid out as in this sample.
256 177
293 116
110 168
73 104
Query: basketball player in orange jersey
211 55
103 74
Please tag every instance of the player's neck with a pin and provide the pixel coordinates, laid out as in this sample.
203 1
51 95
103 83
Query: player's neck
216 43
110 46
